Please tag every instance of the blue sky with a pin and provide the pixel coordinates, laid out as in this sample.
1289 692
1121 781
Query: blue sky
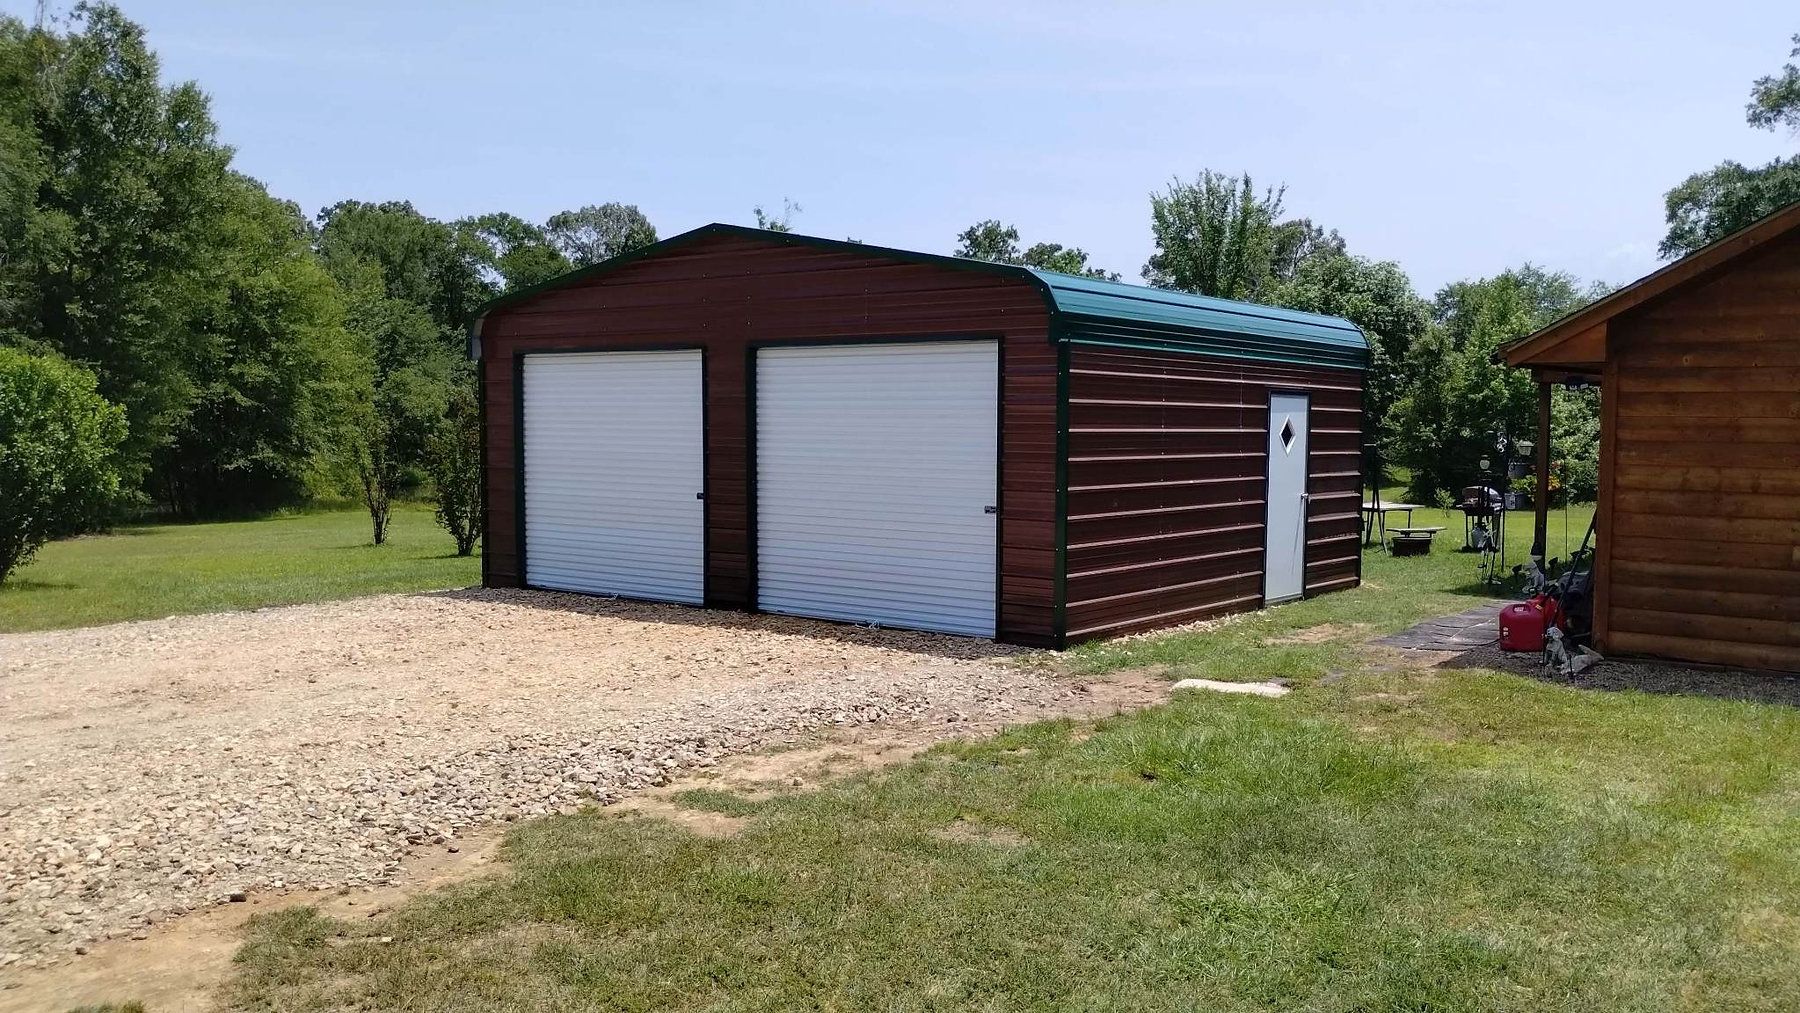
1454 137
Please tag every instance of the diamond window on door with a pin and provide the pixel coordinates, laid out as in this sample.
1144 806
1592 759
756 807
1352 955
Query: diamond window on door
1287 434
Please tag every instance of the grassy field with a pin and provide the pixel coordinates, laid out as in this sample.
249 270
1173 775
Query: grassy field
1383 839
168 569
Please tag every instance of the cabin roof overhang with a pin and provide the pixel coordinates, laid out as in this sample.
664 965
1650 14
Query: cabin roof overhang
1577 344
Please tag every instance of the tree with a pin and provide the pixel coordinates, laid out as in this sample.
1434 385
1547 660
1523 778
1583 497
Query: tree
599 232
421 261
519 253
1710 205
1459 399
1575 441
396 396
989 240
268 350
453 456
992 241
1215 236
1064 260
1775 98
59 453
23 166
783 222
1297 241
124 177
410 285
128 245
1375 296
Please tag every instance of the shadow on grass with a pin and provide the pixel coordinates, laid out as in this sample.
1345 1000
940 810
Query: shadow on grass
1506 589
386 547
402 554
1663 678
938 645
26 584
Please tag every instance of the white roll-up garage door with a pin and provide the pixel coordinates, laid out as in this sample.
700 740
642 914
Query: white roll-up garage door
876 483
613 471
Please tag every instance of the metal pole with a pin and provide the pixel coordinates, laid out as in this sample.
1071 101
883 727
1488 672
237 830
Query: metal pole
1541 503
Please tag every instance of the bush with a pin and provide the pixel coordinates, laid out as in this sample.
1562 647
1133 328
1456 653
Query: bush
453 456
60 455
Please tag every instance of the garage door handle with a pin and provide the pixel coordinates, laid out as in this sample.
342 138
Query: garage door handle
699 495
990 509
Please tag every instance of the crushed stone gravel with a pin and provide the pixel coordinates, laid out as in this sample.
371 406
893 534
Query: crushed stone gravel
151 768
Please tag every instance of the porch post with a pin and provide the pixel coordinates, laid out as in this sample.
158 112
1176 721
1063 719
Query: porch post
1541 501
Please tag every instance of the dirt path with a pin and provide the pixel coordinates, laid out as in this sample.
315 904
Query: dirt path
150 769
180 964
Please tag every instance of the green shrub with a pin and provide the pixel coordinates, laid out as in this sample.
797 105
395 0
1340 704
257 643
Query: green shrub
59 453
453 457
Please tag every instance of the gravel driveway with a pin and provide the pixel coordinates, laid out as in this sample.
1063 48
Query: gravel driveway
150 768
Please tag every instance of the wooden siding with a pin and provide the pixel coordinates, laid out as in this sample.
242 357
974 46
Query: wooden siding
724 294
1701 555
1166 475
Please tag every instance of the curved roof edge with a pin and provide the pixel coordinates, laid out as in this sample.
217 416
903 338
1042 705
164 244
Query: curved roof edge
1112 312
1085 309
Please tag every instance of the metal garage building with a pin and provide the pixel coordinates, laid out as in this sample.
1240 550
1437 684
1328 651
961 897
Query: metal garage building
748 419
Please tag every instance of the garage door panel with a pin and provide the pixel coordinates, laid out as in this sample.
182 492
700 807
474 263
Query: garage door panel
642 519
645 554
875 465
846 511
613 462
826 598
878 569
832 540
871 580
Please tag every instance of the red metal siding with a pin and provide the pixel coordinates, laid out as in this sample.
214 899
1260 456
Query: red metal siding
724 293
1166 479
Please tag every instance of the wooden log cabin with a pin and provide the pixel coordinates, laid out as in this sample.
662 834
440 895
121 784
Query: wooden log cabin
1698 534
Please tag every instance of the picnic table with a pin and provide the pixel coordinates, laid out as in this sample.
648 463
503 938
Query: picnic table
1413 541
1376 513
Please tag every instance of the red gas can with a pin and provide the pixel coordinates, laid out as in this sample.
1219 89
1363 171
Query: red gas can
1522 626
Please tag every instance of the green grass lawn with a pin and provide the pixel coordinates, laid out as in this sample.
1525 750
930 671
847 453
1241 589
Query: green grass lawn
1387 839
168 569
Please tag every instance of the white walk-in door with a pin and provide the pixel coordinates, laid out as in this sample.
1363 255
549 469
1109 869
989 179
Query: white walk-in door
1284 561
876 483
614 473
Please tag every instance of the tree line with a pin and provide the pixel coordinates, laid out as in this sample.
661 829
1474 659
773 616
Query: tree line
225 353
176 340
1438 401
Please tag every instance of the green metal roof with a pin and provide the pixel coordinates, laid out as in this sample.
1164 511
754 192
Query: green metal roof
1110 312
1087 310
